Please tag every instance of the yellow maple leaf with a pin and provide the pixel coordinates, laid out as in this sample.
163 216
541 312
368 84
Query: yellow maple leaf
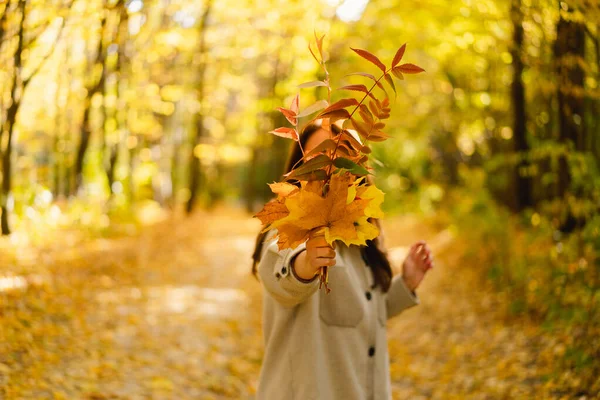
343 220
375 197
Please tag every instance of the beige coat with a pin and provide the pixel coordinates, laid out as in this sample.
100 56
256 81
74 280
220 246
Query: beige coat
322 346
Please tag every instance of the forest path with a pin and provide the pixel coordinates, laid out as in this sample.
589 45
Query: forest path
173 313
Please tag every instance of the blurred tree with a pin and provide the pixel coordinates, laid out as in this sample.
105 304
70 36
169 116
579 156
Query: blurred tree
194 180
569 50
96 78
17 86
523 172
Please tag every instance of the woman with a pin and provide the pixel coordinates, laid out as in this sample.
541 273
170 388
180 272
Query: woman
330 346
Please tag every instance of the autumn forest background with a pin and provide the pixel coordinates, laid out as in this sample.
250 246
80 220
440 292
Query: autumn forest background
134 151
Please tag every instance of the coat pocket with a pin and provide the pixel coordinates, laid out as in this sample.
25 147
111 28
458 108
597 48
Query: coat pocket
342 306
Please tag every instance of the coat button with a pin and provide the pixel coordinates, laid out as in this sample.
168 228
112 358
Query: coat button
368 294
371 351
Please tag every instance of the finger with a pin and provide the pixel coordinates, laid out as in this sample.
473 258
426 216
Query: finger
325 252
318 241
415 249
323 262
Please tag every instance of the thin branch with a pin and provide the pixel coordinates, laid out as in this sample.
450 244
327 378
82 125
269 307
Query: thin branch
46 56
337 143
2 20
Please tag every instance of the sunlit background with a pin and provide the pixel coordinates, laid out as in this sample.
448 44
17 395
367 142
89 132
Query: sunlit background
134 146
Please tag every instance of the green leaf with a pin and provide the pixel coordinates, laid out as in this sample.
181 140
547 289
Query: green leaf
311 165
351 166
318 175
389 80
397 73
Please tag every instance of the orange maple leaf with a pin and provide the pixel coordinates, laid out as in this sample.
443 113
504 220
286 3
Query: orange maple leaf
342 219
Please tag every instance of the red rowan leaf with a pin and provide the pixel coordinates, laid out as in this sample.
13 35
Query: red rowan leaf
327 144
366 116
287 133
370 57
354 143
319 43
374 108
335 115
289 115
399 55
295 104
378 136
344 150
313 54
362 159
338 105
370 76
347 148
356 88
362 128
409 69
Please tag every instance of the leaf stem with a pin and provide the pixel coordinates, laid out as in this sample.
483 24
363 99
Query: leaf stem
337 143
299 142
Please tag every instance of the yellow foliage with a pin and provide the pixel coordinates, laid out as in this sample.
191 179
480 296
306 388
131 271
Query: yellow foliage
343 212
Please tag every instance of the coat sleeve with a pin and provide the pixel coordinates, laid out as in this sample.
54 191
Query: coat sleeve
275 273
399 297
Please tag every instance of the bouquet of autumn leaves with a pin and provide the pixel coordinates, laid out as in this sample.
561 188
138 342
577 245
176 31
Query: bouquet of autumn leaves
327 190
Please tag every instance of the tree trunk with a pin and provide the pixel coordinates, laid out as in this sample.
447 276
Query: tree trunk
86 129
521 146
11 119
194 182
569 50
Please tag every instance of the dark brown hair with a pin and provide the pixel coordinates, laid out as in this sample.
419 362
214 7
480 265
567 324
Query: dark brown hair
374 253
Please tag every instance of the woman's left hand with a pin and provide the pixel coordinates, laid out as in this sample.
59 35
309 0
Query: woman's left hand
418 261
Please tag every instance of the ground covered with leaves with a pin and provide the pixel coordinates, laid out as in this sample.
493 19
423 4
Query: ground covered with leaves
171 311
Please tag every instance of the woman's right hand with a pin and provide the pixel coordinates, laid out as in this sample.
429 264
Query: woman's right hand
318 254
